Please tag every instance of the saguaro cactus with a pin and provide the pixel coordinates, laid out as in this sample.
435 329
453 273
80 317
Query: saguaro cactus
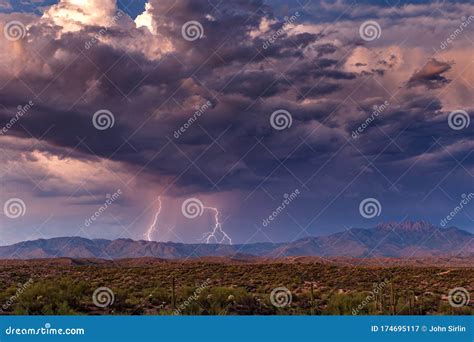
173 294
393 300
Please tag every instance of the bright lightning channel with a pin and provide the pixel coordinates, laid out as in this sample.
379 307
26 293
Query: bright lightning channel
210 237
154 225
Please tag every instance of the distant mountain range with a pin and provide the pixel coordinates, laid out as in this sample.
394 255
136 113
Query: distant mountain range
398 240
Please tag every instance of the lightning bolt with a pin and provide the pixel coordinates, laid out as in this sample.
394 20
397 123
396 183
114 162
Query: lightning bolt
208 237
211 236
153 226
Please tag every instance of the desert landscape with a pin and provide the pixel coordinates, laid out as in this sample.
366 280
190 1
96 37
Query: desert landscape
391 269
235 286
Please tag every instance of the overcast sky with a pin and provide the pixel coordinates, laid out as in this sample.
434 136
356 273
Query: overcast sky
239 105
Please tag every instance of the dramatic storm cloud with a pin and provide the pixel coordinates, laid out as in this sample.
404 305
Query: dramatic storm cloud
130 111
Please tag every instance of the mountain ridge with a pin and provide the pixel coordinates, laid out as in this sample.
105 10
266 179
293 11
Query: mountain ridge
399 240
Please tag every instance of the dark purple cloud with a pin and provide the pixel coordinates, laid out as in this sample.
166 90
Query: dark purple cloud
248 64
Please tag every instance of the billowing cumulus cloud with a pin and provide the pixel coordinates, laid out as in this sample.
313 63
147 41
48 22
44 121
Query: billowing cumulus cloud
191 88
73 15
